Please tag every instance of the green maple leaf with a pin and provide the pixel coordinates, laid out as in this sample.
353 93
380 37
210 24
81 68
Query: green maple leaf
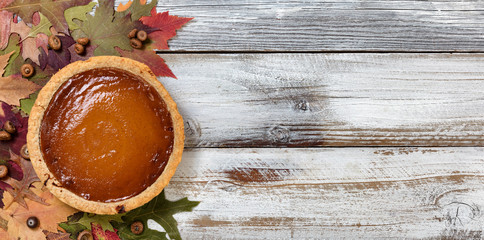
160 210
138 10
53 10
104 30
26 104
12 46
78 12
43 27
103 220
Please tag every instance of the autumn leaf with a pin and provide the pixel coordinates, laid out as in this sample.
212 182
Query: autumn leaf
88 52
165 26
20 139
160 210
53 10
150 58
40 77
28 35
5 19
99 233
57 59
4 61
48 215
56 236
26 104
124 7
77 12
21 189
103 220
12 46
137 9
42 27
112 32
13 88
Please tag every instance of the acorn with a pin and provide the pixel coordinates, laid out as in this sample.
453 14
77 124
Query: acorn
137 227
54 42
5 136
27 70
132 33
24 152
85 235
32 222
135 43
142 35
79 49
9 127
3 171
83 41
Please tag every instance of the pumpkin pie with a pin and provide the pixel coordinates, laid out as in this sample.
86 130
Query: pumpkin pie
104 135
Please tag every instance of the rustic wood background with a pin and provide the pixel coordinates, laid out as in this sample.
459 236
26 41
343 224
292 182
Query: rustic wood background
330 119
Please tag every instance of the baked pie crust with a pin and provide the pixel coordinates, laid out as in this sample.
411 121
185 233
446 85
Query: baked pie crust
35 144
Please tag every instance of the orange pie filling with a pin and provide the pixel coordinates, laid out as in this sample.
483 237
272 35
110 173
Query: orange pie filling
106 135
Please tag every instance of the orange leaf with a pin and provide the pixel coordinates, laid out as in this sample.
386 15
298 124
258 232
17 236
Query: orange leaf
124 7
13 88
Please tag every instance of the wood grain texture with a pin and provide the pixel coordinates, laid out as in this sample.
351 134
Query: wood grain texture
273 100
315 25
331 193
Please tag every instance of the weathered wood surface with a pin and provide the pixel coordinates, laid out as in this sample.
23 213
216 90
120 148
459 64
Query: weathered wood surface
331 193
267 100
315 25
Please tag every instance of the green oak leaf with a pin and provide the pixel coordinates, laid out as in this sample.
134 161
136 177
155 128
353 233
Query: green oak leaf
71 226
160 210
78 12
12 46
26 104
137 10
103 220
43 27
104 30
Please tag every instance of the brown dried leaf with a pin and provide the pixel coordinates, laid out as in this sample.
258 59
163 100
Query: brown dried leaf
4 61
49 216
56 236
13 88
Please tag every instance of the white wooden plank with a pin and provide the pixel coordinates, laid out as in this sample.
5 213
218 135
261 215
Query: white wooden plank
331 193
240 100
320 25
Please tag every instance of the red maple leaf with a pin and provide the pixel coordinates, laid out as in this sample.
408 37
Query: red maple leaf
164 26
99 233
150 58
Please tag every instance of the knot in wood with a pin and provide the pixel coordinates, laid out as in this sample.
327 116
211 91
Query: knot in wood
279 134
302 105
192 128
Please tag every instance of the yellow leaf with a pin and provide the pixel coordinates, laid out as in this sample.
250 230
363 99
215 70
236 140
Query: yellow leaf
124 7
